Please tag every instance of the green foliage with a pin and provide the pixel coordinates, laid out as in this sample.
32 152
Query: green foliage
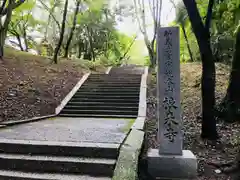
225 20
95 38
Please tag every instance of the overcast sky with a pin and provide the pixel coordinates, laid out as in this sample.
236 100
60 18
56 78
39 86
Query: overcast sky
130 28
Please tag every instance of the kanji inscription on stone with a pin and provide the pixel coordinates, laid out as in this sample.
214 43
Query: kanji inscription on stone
169 113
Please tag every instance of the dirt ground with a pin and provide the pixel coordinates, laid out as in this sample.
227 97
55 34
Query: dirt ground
33 86
209 154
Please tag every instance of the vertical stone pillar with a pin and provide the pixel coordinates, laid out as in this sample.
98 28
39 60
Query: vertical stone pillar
170 161
169 118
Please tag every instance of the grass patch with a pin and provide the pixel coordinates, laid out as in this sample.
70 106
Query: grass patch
128 126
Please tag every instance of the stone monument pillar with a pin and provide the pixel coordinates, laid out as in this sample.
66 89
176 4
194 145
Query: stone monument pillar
170 161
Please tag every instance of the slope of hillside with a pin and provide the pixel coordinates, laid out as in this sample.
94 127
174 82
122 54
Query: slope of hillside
32 85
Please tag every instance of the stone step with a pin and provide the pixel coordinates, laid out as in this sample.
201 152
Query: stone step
118 78
74 149
20 175
94 107
101 104
103 83
110 78
108 75
114 79
137 90
121 72
127 77
53 164
99 112
105 100
106 96
110 86
106 93
99 115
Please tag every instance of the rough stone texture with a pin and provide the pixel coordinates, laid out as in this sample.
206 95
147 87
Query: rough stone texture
53 164
71 93
126 167
139 123
10 123
142 108
169 117
7 175
70 129
128 69
172 167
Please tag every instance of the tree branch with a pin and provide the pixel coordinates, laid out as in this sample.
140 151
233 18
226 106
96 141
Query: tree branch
3 5
14 6
138 20
209 16
129 47
51 14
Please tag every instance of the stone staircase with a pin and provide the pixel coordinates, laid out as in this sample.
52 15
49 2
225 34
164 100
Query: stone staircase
106 95
114 95
43 160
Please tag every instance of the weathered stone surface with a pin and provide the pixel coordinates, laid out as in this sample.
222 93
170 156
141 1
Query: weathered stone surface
94 90
60 148
170 161
32 163
139 123
127 163
7 175
69 129
170 125
172 166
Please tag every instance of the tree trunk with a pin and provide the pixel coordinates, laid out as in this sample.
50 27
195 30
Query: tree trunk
209 130
56 51
72 29
91 43
80 48
231 103
4 26
2 42
19 42
152 56
25 39
187 42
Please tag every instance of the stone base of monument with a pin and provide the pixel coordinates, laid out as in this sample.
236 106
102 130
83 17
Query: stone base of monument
172 166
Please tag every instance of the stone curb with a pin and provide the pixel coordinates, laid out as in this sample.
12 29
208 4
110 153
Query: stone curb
71 93
11 123
139 123
127 163
142 108
108 70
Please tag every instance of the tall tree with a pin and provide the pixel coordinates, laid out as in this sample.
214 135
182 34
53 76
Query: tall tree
72 29
231 102
202 34
22 23
56 51
140 13
6 8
